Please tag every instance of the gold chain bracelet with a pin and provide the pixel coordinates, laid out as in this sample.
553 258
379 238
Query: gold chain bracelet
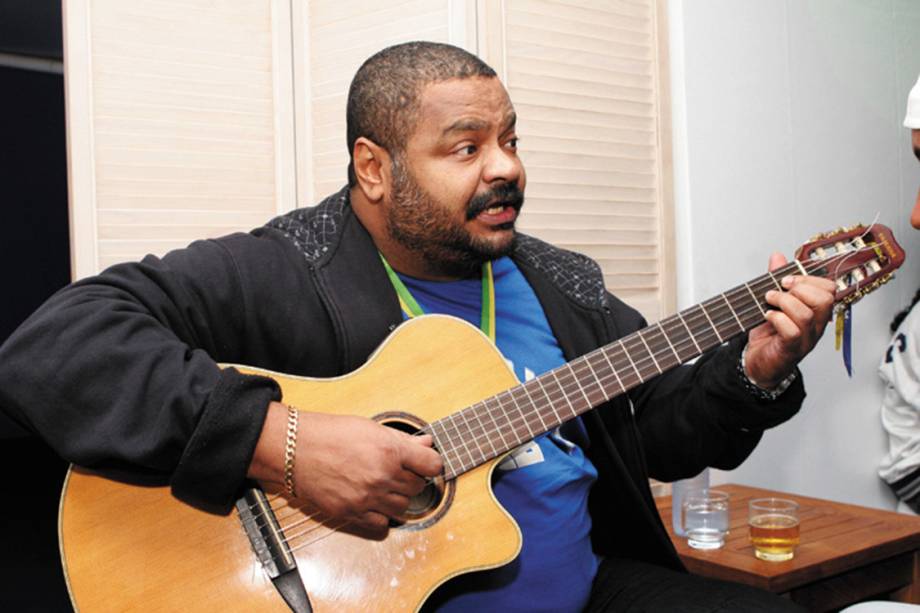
290 450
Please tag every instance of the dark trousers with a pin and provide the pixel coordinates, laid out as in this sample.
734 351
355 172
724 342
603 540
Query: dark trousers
630 586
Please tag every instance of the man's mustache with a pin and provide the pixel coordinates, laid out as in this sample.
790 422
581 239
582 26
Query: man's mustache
508 194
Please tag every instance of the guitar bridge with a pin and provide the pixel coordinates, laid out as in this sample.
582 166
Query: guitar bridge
271 548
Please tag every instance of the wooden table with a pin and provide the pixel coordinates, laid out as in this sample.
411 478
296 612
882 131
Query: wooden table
847 554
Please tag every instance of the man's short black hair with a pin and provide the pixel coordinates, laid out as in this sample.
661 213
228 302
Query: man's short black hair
383 99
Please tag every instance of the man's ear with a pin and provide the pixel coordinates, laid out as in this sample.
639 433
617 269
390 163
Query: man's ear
372 169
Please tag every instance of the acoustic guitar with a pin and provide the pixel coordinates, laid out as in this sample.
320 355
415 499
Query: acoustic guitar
126 546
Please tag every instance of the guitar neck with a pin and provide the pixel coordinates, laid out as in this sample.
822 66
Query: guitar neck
500 423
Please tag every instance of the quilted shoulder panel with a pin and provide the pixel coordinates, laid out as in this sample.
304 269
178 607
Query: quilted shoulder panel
314 229
578 276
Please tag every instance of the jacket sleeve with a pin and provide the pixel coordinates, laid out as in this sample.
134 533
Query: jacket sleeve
118 371
701 414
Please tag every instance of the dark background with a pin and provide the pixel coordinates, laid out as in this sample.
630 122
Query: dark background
34 263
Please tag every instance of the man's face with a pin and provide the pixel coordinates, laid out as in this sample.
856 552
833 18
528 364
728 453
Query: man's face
458 185
915 214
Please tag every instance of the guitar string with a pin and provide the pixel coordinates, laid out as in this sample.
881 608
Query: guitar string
681 344
331 530
563 388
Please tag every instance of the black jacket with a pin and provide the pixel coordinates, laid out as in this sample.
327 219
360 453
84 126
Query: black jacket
119 371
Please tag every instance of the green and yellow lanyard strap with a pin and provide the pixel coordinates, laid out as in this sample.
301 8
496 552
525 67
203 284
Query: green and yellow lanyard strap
412 309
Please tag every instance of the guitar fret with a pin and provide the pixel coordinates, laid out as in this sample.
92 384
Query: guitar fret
462 438
550 403
709 319
775 282
578 383
537 412
687 328
562 388
523 417
647 348
508 409
754 298
600 386
484 430
631 363
506 425
497 427
752 312
612 369
586 387
664 333
741 325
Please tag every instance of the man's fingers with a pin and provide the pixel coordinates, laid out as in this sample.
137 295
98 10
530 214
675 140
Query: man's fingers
819 301
372 525
799 313
423 461
784 326
820 283
777 260
408 484
392 505
808 301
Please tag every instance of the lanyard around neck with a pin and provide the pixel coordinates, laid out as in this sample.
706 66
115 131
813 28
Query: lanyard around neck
412 309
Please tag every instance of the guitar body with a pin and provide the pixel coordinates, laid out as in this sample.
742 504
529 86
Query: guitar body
128 546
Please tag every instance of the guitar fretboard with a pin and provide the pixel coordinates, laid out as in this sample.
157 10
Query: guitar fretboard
491 427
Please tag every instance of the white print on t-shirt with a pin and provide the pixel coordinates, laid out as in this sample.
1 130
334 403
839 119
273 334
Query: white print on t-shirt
525 455
529 453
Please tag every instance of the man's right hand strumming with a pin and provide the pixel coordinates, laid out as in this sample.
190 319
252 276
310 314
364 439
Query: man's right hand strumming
351 468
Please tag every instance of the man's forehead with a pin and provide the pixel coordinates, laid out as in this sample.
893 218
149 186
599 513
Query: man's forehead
471 104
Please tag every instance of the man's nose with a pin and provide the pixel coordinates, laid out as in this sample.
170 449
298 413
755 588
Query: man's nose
501 165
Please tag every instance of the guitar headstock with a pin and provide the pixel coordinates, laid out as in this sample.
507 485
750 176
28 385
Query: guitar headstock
858 259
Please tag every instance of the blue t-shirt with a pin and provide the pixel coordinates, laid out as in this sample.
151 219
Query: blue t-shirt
543 484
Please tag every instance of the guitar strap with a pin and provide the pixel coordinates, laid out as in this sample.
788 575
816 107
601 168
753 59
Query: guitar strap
412 309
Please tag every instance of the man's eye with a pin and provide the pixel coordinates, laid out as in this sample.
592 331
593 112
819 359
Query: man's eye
512 143
468 150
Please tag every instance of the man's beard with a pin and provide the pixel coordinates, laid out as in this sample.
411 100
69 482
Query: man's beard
422 225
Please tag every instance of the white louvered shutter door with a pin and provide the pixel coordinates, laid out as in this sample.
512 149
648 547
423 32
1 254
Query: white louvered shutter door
180 123
584 79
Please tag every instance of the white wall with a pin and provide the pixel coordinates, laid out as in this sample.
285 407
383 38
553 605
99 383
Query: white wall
787 122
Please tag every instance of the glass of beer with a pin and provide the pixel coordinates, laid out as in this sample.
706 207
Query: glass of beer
774 524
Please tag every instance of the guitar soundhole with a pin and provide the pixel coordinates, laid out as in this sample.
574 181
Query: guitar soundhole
429 505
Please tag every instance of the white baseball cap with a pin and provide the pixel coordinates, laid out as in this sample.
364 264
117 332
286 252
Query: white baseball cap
912 120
